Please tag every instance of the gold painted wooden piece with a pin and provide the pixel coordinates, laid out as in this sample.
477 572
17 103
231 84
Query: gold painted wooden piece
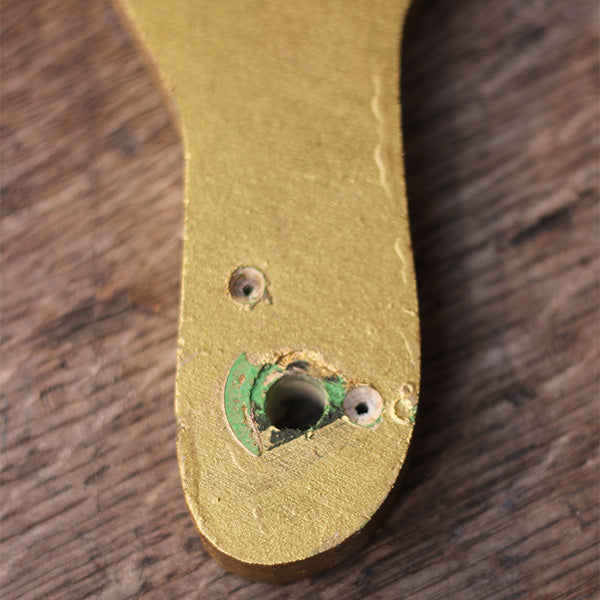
298 363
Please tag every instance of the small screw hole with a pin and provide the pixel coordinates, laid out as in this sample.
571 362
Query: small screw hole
363 405
247 285
361 408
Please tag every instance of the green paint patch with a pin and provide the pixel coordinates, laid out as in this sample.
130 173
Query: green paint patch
413 414
245 394
238 407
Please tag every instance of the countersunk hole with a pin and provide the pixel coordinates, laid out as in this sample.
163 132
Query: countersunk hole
363 405
295 402
247 285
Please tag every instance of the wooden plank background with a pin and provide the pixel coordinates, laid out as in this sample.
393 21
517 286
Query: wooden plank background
501 499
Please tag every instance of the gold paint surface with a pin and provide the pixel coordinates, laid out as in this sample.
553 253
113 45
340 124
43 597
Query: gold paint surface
291 123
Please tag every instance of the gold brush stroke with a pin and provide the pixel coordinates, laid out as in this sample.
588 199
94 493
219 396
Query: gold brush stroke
289 115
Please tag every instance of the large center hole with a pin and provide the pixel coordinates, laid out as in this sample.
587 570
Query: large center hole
295 402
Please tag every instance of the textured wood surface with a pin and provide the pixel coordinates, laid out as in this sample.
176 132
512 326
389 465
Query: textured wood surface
501 498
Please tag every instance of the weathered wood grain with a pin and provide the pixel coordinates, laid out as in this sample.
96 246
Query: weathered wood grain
501 499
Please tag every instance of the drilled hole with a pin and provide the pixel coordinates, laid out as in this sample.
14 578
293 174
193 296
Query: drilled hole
363 405
361 408
247 285
295 402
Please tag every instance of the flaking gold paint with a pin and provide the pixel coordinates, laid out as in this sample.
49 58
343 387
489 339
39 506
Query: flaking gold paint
290 118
